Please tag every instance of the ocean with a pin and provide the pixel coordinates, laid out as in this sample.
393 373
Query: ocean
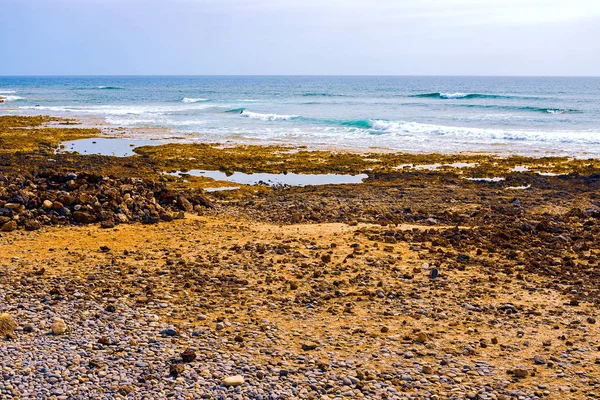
506 115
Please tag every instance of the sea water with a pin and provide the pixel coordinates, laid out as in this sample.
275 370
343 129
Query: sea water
510 115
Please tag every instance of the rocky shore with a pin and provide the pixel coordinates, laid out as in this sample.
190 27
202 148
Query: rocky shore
119 282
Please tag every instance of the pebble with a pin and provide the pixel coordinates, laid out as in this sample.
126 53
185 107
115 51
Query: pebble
235 380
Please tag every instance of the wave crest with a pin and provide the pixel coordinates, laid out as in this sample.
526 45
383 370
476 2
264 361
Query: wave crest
11 98
320 94
192 100
267 117
458 95
236 110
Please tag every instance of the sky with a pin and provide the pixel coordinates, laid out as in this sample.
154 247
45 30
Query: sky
300 37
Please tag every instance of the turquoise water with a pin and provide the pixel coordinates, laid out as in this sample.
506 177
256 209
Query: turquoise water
447 114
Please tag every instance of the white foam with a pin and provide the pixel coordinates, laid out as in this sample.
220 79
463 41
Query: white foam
192 100
549 174
453 95
267 117
518 187
494 179
11 98
7 91
122 109
403 128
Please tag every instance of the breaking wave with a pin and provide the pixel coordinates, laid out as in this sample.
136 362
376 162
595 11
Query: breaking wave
317 94
192 100
438 95
268 117
11 98
236 110
545 110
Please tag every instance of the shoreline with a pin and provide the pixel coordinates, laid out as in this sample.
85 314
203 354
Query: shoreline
544 149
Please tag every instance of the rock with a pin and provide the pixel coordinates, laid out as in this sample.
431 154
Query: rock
309 346
184 204
84 217
236 380
110 308
47 204
28 328
539 360
520 372
176 369
188 355
58 327
169 332
107 224
150 217
125 390
385 329
32 225
9 226
166 217
421 337
7 325
104 341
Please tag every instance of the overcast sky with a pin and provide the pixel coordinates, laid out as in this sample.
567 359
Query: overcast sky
387 37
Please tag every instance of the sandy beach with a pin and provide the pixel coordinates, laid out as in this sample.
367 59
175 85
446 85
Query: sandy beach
437 277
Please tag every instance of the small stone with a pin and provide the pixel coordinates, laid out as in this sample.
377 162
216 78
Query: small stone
28 328
385 329
32 225
236 380
9 226
110 308
520 372
107 224
309 346
188 355
58 327
125 390
421 337
104 341
176 369
47 204
169 332
539 360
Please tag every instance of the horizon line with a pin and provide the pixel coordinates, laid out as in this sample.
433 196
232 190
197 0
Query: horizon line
300 75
